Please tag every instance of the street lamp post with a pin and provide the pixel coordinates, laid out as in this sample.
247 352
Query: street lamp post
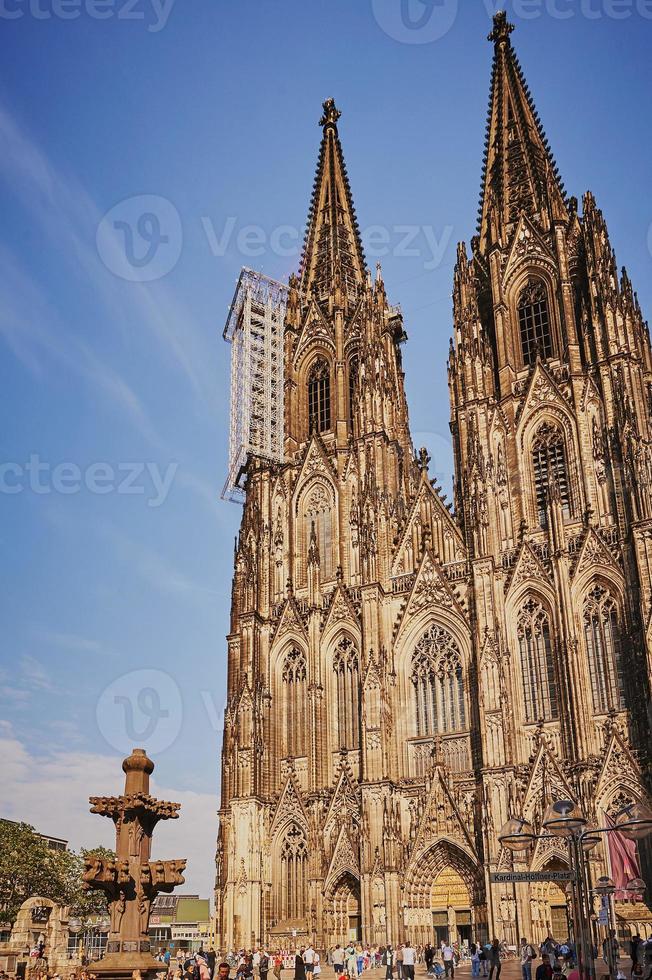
75 927
564 818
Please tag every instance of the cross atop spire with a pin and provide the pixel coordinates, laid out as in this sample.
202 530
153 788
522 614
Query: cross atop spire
330 114
519 173
332 252
502 28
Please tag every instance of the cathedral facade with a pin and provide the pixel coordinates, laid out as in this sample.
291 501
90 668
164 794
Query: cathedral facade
405 674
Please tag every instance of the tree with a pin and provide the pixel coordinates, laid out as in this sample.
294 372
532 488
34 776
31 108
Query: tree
28 867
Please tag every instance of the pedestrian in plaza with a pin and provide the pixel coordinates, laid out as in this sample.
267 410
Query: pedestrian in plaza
484 961
351 961
634 946
388 962
223 971
409 958
399 962
359 959
474 951
338 960
493 958
544 970
299 966
428 956
527 956
211 959
278 966
448 956
309 958
263 965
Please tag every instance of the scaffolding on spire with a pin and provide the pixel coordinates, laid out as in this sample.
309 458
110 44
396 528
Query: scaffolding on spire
254 328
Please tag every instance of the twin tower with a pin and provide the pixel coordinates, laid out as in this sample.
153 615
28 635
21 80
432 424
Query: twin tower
404 675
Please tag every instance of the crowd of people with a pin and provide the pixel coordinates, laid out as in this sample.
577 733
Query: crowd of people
551 960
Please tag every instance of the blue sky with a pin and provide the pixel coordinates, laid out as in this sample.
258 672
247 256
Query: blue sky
199 118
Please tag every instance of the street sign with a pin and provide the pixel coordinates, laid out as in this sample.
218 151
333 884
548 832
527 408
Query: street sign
507 877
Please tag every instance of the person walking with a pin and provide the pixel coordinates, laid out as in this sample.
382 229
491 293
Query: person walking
544 970
409 959
399 962
474 950
428 956
493 958
263 964
338 960
299 966
351 962
388 962
527 956
448 956
309 958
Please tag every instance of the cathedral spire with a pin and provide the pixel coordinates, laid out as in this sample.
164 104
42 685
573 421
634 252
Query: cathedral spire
332 250
519 172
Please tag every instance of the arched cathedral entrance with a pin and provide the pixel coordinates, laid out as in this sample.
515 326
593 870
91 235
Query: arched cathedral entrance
444 897
450 904
343 911
548 907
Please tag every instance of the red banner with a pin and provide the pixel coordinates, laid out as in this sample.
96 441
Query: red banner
623 860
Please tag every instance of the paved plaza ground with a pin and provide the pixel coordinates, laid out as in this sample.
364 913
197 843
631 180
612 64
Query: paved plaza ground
511 970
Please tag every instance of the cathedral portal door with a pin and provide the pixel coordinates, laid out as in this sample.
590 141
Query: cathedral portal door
450 904
347 922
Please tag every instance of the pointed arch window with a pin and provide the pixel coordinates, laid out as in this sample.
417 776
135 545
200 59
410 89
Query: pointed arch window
550 470
318 511
294 701
438 681
294 875
347 699
537 663
319 397
534 322
604 649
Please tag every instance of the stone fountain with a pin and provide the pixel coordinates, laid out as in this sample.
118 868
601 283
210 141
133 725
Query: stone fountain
132 880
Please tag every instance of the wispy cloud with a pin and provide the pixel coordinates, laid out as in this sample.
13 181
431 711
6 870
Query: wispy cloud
35 675
154 568
69 641
24 313
66 214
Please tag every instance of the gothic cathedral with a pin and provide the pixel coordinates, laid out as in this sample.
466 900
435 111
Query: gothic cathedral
404 675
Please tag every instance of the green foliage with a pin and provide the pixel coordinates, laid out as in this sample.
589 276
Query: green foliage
29 867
